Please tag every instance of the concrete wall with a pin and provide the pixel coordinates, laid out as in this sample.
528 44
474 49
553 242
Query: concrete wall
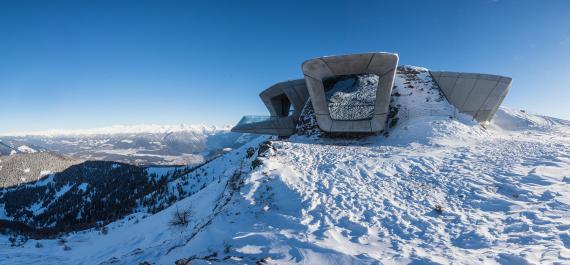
294 90
318 69
281 126
478 95
279 123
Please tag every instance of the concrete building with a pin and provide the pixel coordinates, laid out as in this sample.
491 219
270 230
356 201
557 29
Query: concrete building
319 69
478 95
285 101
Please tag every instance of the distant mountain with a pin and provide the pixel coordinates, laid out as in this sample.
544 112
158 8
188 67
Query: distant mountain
28 167
138 144
18 147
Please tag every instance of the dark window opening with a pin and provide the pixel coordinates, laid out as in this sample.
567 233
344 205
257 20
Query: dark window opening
282 105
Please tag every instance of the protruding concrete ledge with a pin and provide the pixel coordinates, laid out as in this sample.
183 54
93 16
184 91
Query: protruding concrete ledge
318 69
478 95
285 101
281 126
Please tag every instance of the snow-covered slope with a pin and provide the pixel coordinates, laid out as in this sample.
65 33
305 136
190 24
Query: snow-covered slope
436 189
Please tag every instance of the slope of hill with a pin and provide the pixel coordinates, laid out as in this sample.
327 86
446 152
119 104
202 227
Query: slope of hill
90 194
18 147
23 168
436 189
139 144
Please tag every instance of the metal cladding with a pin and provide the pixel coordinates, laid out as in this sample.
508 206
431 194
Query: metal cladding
285 101
478 95
318 69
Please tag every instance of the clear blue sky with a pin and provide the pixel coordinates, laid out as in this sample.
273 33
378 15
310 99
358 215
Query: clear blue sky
82 64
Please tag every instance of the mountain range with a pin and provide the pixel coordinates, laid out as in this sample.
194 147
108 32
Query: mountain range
139 144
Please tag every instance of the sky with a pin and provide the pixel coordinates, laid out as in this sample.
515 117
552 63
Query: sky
84 64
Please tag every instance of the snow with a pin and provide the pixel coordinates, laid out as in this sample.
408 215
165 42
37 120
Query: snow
36 208
44 181
160 171
191 159
123 129
3 214
250 249
26 149
440 189
63 190
45 173
83 186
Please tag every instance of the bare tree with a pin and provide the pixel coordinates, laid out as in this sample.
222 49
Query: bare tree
180 218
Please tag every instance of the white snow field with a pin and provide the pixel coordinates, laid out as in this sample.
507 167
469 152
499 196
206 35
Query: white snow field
437 190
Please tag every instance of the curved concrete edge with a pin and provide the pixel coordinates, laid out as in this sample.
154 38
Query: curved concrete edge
281 124
478 95
382 64
295 91
284 126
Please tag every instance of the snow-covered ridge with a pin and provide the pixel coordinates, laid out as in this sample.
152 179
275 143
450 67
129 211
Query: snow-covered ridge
123 129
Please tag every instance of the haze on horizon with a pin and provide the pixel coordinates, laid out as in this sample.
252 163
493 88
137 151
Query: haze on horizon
85 64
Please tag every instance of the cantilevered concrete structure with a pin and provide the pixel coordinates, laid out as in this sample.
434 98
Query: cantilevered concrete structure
478 95
319 69
285 101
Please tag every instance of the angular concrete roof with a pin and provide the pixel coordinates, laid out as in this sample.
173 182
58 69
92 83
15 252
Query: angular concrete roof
280 122
295 91
318 69
478 95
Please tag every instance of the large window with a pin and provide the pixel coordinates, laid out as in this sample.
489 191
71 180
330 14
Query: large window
351 97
